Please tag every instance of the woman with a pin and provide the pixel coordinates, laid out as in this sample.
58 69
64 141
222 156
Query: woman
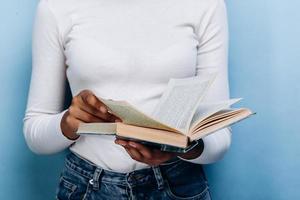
122 50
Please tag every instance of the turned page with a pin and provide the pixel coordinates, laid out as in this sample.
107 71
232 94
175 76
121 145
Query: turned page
180 101
131 115
207 109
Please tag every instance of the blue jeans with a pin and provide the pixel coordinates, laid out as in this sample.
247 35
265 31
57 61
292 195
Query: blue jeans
176 179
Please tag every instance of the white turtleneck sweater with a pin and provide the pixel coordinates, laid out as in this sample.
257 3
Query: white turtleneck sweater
122 50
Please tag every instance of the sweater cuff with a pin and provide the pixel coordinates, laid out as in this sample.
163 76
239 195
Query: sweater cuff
198 159
215 146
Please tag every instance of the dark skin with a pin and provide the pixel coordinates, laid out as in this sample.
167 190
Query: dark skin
155 157
86 107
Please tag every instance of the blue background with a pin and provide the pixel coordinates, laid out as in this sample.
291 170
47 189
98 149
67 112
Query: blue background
264 160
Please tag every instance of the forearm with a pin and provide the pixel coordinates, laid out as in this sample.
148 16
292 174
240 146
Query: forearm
47 86
43 133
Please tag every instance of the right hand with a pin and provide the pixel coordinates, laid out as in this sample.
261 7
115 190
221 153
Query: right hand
85 107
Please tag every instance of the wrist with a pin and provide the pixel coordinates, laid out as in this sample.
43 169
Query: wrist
71 136
195 152
65 130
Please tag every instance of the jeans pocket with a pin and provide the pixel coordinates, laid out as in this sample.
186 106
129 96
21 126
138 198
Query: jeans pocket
186 182
65 189
72 185
177 193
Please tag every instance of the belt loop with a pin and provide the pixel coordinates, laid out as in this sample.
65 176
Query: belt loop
158 177
95 180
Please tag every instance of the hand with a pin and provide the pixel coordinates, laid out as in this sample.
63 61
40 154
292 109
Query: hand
85 107
155 157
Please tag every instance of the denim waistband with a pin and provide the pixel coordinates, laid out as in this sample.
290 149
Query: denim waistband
95 174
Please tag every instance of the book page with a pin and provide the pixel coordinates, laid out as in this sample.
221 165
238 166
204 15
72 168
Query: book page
241 113
97 128
131 115
207 109
180 101
218 117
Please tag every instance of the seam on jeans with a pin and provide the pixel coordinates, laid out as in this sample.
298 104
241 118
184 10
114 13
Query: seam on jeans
68 185
70 166
170 163
114 183
130 194
82 158
194 197
158 177
56 198
87 191
170 168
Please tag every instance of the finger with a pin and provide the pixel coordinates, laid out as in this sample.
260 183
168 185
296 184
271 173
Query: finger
163 154
123 143
157 157
83 115
134 154
104 116
91 104
90 99
145 151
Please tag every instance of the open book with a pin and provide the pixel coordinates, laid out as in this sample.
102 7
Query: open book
177 122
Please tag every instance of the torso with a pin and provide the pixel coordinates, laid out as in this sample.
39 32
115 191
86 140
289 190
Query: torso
126 50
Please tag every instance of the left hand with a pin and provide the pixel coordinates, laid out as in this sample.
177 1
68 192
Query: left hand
153 157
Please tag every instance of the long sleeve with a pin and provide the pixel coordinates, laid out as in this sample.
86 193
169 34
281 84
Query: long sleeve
41 124
212 56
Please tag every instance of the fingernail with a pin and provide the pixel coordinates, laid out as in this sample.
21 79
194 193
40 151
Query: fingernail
118 120
121 143
103 109
132 144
